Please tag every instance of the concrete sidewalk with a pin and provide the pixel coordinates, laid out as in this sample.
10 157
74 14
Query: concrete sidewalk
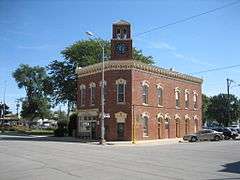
145 142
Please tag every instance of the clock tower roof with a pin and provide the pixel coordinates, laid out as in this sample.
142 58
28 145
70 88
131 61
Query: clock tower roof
121 22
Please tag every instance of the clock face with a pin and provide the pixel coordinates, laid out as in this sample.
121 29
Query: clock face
121 48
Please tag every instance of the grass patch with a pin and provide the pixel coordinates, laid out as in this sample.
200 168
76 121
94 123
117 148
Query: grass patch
40 132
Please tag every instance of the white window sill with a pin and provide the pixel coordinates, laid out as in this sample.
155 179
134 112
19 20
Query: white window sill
160 105
144 104
121 103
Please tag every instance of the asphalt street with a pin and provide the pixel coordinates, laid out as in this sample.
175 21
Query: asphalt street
44 160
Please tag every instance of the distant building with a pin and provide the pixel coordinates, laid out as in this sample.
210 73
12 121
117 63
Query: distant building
144 101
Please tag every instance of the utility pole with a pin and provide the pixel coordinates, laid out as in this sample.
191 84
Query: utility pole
103 115
4 103
229 81
17 105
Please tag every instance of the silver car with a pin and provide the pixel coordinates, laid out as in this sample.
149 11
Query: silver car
204 135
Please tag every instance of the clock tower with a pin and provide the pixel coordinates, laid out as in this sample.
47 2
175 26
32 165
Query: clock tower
121 42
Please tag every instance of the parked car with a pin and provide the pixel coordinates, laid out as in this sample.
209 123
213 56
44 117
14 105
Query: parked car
204 135
237 127
228 134
234 131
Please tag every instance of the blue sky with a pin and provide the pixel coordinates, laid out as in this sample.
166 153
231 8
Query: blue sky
34 32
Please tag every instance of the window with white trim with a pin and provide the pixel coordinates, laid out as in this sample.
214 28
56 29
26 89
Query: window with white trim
160 95
177 97
186 99
121 85
82 94
145 125
195 100
92 94
145 89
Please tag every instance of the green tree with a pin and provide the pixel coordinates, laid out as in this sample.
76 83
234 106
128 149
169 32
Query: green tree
79 54
59 115
218 108
35 82
205 103
37 106
4 109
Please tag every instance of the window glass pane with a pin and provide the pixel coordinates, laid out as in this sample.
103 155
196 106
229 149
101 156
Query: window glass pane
93 95
120 91
177 99
145 126
195 101
82 96
186 100
160 96
145 94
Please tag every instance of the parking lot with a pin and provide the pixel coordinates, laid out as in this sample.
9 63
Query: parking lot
43 160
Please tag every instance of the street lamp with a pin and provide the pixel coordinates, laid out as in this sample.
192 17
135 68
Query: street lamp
102 140
229 82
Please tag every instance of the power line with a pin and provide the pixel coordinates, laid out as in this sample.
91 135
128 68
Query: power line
216 69
188 18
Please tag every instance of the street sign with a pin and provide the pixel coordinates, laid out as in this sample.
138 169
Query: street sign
106 115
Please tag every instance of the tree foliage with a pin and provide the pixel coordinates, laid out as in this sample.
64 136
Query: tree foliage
4 109
35 82
205 104
218 108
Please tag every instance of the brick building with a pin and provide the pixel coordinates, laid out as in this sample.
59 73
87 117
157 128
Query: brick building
144 101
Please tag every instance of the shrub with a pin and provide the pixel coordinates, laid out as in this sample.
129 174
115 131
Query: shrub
62 124
60 132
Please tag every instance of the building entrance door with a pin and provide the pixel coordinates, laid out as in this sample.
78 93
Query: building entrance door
167 128
177 128
120 131
159 131
93 130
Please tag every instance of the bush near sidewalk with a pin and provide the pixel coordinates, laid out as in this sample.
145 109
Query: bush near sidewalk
27 131
62 130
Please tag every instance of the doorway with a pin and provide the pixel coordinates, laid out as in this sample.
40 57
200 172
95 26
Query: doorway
177 128
93 130
167 131
160 124
120 131
186 126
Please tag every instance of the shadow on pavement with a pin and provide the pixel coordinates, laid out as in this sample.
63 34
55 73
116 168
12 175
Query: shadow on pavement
4 137
232 167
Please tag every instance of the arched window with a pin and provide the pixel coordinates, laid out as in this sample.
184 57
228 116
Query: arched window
145 125
186 99
159 95
124 34
145 88
82 94
118 33
177 97
92 93
195 100
121 85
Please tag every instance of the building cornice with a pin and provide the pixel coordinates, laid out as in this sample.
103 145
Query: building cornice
133 64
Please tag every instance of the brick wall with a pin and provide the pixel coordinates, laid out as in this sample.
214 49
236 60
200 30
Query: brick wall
134 107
